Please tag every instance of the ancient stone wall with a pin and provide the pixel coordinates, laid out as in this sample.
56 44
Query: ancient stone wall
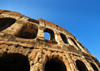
23 46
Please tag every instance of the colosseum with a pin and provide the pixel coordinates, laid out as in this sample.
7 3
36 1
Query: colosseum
23 46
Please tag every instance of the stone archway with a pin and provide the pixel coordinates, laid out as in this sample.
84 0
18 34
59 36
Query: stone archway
81 66
55 65
28 31
49 31
14 62
6 22
64 38
94 67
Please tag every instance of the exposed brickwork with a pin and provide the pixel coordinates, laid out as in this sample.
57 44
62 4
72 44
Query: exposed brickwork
22 45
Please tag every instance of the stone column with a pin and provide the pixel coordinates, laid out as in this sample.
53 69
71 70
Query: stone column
41 29
40 34
73 68
58 38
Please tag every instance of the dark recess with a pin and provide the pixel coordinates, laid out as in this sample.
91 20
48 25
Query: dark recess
14 62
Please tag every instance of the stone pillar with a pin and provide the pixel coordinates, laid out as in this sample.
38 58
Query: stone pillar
40 34
58 38
73 68
41 29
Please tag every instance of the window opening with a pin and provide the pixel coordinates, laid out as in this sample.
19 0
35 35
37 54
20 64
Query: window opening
49 34
64 38
94 67
6 22
28 31
75 43
81 66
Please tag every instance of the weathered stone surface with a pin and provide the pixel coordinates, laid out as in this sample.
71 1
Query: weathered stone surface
22 39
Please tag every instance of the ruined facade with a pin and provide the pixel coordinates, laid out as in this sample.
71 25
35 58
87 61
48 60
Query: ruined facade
23 46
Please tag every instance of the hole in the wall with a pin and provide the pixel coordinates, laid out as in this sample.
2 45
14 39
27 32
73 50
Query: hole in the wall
7 49
6 22
29 52
25 47
14 62
81 45
75 43
38 59
32 63
16 46
55 65
81 66
46 35
63 38
49 34
28 31
32 48
94 67
52 51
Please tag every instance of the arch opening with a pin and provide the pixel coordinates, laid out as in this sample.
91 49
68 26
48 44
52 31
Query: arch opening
6 22
75 43
81 66
63 38
28 31
47 35
49 31
94 67
55 65
14 62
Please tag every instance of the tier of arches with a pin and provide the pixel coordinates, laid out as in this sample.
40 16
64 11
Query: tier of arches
57 65
24 33
19 62
14 62
6 22
30 31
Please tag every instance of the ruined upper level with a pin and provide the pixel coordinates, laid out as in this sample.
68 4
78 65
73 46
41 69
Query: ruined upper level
14 26
18 30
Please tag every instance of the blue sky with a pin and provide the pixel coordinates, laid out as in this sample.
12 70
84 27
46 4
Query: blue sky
80 17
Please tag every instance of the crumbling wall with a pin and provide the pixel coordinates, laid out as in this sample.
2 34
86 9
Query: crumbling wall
24 40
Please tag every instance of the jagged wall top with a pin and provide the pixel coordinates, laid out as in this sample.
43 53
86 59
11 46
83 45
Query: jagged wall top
37 21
